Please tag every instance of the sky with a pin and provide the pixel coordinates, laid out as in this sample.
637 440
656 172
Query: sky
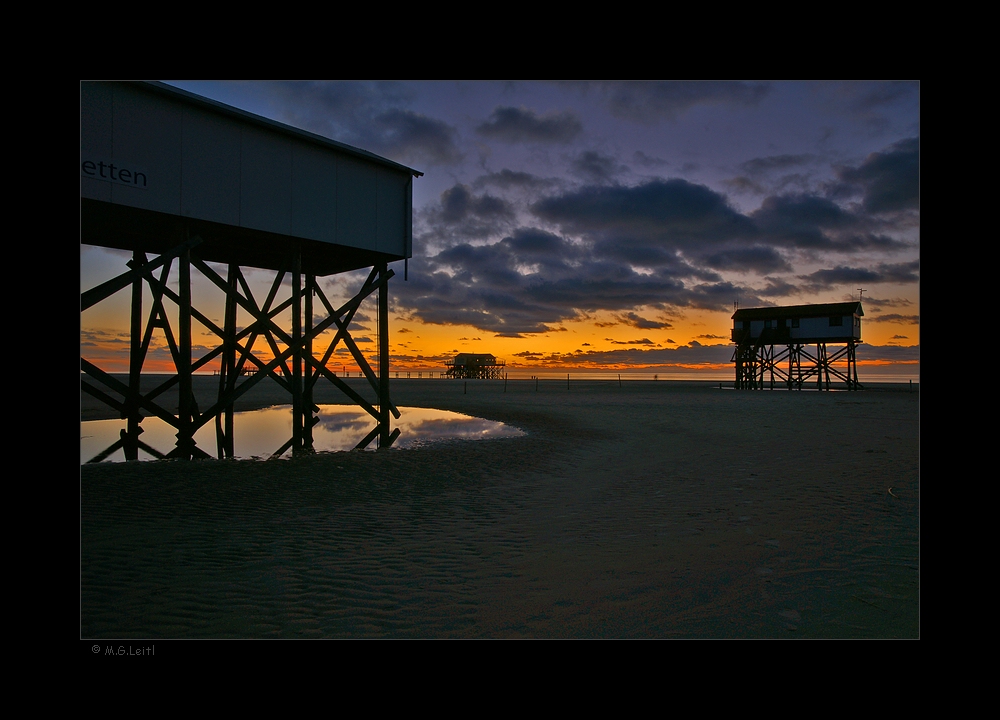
611 226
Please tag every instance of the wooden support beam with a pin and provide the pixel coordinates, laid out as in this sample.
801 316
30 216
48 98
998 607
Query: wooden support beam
131 437
307 349
106 289
185 434
104 397
108 381
296 342
383 353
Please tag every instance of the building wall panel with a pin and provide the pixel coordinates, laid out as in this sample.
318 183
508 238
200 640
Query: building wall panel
357 188
96 138
202 162
265 182
813 328
392 215
314 193
210 179
148 139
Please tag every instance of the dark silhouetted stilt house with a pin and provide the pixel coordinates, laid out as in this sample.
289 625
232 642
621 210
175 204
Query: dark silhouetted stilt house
476 366
181 182
774 344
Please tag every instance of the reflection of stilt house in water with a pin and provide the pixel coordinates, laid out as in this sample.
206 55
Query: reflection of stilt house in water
775 343
182 182
476 366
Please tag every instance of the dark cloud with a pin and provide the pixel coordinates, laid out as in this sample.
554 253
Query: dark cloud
371 115
890 180
900 272
895 318
869 241
812 222
778 287
890 353
462 216
883 273
876 305
720 296
692 230
642 159
823 279
457 204
745 185
644 341
800 220
596 168
878 95
872 103
649 102
507 179
514 125
770 163
758 258
641 323
658 216
404 133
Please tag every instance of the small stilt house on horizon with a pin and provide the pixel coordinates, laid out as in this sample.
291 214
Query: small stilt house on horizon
758 331
479 366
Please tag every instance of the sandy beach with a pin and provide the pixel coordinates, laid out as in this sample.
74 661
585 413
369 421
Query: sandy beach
651 510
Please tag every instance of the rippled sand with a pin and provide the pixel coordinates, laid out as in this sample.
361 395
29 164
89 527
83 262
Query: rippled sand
652 510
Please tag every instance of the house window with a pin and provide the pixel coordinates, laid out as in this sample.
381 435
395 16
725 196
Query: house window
836 320
768 324
795 322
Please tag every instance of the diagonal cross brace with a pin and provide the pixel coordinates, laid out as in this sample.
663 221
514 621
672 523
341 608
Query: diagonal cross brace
106 289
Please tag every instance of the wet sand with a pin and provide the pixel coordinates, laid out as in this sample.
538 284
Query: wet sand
652 510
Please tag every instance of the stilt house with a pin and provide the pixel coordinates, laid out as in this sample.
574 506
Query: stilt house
757 333
476 366
181 181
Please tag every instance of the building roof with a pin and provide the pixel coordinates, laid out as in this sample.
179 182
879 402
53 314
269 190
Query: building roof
250 188
474 358
248 117
799 311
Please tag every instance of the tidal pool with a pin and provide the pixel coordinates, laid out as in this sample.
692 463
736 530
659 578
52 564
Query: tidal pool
259 433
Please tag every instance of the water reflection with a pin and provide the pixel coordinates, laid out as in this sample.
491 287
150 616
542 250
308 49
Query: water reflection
259 433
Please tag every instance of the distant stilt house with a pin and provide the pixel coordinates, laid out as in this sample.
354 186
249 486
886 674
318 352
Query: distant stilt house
476 366
774 344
